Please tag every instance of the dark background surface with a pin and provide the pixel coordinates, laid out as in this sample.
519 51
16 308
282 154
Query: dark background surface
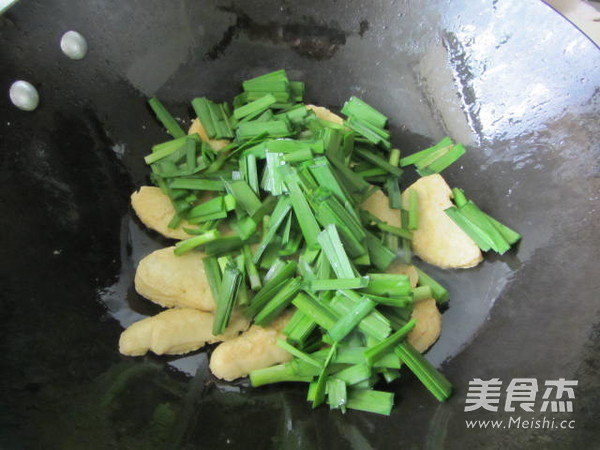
513 80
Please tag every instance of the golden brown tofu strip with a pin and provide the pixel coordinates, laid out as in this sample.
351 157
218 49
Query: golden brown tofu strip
155 210
255 349
174 281
176 331
438 240
428 327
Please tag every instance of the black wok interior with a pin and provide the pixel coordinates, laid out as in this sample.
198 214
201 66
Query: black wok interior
513 80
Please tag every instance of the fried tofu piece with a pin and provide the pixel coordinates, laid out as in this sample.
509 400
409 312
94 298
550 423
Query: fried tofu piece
255 349
325 114
155 210
215 144
174 281
378 204
428 327
438 240
175 332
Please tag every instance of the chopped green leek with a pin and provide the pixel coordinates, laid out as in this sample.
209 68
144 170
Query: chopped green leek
443 161
278 302
336 394
326 178
511 236
418 156
252 173
378 161
244 195
165 151
270 289
212 206
166 118
459 197
368 400
479 236
230 284
487 232
340 283
299 354
277 374
413 210
253 107
350 354
347 323
320 312
281 211
273 128
276 81
394 158
374 325
354 374
251 269
476 217
197 184
422 293
223 245
365 129
393 191
396 301
319 393
439 292
358 108
191 243
388 284
300 155
400 232
374 354
306 219
213 117
433 380
334 251
213 276
299 328
380 255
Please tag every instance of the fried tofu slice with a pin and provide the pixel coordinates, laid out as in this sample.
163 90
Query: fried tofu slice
378 204
175 332
215 144
174 281
255 349
155 210
428 327
438 240
325 114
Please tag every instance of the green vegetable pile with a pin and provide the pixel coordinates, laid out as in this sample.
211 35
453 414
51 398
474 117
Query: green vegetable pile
290 186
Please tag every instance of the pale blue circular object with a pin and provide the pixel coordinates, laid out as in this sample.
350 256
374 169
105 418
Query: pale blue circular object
24 95
73 45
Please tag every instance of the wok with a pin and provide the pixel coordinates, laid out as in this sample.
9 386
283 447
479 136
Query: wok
513 80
